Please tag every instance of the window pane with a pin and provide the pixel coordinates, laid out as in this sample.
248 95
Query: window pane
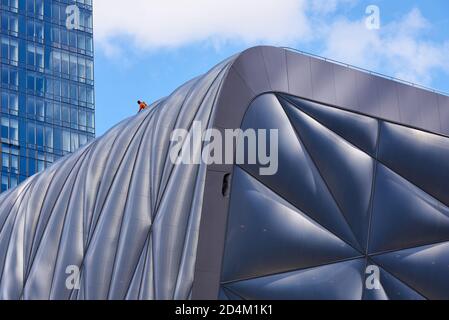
74 116
89 70
40 57
14 129
65 114
66 140
5 100
73 66
5 161
72 39
40 85
31 136
49 137
40 165
81 42
5 128
40 7
30 82
5 76
65 63
64 37
40 135
82 119
49 86
30 6
90 119
89 44
48 110
57 139
13 102
31 166
81 68
14 163
39 31
31 106
57 111
57 88
13 182
14 24
90 95
55 35
30 28
82 96
13 50
75 142
5 184
83 140
13 78
30 55
56 61
73 92
5 48
40 108
65 89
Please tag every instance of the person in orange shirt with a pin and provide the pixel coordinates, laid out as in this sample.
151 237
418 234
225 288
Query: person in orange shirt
142 105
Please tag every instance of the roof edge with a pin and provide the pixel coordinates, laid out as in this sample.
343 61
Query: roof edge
264 69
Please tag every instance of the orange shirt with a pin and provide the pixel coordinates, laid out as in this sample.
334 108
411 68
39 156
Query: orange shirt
143 106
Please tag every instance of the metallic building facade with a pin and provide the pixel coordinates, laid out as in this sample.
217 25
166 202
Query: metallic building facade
47 93
362 184
352 193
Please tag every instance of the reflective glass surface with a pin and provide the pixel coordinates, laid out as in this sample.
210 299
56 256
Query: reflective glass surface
46 84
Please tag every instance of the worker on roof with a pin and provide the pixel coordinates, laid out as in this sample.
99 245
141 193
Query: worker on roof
142 105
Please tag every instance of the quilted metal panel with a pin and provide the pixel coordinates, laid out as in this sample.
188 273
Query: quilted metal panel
118 209
389 184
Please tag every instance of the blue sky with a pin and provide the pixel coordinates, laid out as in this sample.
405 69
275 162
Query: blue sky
147 48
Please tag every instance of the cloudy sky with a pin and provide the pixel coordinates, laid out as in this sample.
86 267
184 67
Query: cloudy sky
147 48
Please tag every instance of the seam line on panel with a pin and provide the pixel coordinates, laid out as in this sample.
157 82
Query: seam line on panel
209 125
267 76
420 246
145 130
172 169
67 207
306 149
87 247
394 275
35 241
21 196
380 121
38 243
301 211
360 257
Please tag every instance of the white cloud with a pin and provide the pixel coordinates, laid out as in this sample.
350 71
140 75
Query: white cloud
328 6
400 47
151 24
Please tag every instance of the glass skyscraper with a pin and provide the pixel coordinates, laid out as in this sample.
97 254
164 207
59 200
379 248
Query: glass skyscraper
47 84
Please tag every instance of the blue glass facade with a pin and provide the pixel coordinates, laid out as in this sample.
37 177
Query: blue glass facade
47 84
